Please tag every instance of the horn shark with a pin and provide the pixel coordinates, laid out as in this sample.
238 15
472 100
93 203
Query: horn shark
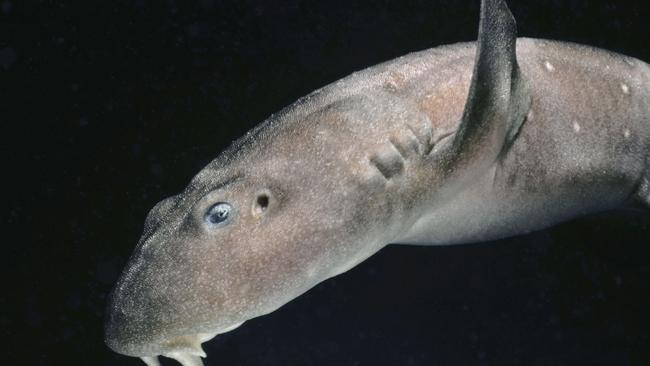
456 144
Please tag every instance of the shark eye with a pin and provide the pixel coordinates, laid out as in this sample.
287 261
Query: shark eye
218 213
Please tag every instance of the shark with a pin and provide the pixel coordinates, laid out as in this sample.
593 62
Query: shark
457 144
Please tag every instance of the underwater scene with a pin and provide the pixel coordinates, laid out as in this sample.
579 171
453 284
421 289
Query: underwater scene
326 182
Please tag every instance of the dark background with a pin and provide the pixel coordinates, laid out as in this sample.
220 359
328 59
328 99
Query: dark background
108 107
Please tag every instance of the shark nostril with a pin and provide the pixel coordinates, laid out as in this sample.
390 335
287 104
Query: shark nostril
262 202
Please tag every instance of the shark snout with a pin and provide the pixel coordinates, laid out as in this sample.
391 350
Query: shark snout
147 338
186 350
134 340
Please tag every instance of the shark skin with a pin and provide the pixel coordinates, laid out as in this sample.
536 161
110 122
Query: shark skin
457 144
582 148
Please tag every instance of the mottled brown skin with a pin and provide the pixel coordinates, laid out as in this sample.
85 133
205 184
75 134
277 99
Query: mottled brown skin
585 87
551 172
444 146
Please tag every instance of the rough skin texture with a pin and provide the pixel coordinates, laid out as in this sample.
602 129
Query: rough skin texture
442 146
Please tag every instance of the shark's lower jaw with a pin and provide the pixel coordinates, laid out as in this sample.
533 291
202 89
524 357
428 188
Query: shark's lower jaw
186 350
185 359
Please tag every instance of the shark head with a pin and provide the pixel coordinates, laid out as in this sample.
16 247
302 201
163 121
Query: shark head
257 227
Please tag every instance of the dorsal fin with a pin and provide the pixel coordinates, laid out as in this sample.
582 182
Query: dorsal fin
498 98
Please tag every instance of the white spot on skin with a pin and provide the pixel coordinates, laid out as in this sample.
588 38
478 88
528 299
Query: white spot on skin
311 272
626 133
576 127
549 66
530 115
625 88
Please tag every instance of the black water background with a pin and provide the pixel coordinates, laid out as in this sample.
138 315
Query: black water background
108 107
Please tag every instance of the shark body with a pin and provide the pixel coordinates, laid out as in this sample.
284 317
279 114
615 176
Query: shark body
457 144
582 147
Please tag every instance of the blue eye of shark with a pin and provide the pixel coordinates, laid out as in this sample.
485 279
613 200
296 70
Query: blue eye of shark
218 214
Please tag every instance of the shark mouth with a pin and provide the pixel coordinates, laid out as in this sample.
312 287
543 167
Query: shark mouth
185 359
186 350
